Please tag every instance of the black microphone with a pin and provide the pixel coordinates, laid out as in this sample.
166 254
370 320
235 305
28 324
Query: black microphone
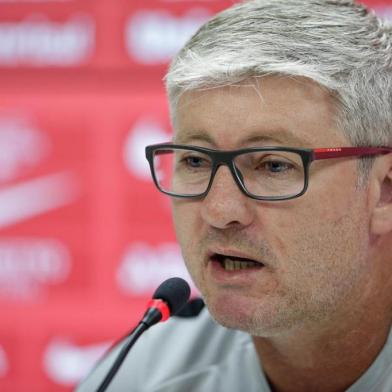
169 298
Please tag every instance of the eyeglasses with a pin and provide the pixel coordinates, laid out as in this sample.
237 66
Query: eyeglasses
265 173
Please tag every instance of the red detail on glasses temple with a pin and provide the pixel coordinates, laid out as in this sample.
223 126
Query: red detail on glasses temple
341 152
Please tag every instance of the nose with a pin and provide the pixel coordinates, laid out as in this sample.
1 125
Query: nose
225 205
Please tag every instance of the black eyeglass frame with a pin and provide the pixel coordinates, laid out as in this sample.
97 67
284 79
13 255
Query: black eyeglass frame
226 157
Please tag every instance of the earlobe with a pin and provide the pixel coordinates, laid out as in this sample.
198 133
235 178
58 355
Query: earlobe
381 220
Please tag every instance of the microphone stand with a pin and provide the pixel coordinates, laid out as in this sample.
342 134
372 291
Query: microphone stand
167 300
151 317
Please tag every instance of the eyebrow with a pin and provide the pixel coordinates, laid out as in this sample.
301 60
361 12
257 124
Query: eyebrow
277 136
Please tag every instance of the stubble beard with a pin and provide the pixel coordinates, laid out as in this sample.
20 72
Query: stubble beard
322 279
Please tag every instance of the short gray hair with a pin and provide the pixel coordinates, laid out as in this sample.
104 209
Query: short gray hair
339 44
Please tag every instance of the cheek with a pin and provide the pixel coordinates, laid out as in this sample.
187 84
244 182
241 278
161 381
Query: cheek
319 236
184 212
185 218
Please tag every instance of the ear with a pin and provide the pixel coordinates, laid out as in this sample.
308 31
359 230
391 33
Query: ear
381 184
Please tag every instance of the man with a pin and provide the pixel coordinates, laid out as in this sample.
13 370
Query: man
280 173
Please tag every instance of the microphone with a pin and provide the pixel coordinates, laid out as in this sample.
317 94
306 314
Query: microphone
169 298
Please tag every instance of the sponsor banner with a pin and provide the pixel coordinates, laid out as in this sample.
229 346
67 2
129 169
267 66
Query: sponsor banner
78 34
155 30
28 266
34 149
74 337
43 205
154 36
145 266
23 145
36 40
66 363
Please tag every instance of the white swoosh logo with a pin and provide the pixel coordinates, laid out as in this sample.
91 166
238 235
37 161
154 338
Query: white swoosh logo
66 363
35 197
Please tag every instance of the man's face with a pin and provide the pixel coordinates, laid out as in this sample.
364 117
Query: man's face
311 251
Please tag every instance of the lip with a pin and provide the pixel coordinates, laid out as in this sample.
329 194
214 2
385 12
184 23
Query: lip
231 253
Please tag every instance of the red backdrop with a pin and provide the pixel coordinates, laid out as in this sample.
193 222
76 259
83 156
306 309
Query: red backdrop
84 236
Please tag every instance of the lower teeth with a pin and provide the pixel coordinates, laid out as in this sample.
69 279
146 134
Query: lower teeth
231 265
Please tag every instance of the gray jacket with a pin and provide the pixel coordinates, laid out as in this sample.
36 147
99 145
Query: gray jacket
197 355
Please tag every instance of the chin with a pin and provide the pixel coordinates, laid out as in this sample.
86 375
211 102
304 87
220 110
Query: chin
231 313
257 319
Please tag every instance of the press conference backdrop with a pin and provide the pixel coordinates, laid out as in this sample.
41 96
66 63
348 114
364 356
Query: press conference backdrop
84 236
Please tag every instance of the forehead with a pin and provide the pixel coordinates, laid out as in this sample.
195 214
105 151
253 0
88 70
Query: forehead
271 110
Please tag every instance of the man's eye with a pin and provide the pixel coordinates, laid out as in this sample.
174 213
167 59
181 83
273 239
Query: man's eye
277 166
194 161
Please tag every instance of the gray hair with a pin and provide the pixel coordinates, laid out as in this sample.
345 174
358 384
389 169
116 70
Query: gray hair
339 44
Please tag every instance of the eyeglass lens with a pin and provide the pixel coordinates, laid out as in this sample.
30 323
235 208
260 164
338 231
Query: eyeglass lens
269 173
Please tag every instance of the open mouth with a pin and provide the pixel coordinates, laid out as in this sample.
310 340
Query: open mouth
234 263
